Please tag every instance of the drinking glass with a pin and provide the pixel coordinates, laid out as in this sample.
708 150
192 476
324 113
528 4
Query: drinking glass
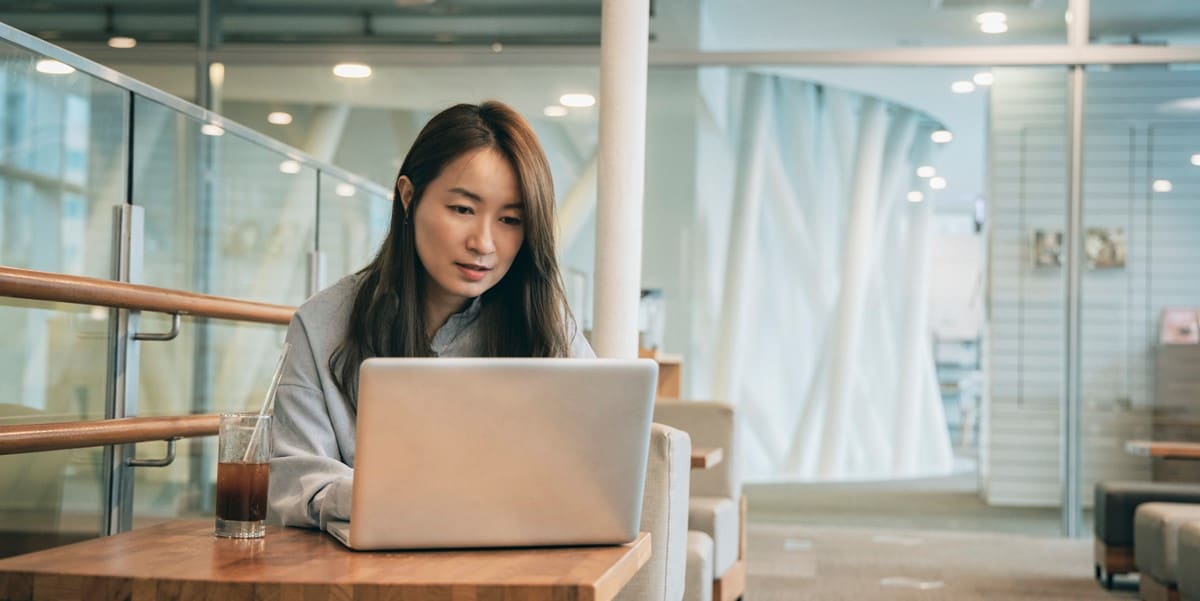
243 472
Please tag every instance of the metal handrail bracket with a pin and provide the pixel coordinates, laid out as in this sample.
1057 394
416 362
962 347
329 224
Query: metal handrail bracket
164 461
161 337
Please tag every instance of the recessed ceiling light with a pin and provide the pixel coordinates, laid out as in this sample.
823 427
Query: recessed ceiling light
962 87
1196 160
941 136
345 190
992 22
53 67
352 70
991 17
122 42
915 196
983 78
577 100
937 183
209 129
555 110
1162 185
279 118
289 166
926 171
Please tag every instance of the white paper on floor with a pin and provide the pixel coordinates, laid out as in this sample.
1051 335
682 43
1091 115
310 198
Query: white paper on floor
906 582
891 539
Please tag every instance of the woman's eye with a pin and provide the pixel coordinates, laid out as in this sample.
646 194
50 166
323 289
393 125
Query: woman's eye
510 220
461 210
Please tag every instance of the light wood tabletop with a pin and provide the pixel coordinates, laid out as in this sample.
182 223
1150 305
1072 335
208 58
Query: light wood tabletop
1165 449
183 560
704 458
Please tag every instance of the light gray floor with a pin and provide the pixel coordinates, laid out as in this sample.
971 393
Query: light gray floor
950 503
917 539
794 562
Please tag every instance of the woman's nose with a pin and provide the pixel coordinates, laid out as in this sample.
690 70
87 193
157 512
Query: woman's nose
481 242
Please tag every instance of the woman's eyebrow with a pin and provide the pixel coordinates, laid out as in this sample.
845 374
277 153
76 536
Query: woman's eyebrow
479 199
469 194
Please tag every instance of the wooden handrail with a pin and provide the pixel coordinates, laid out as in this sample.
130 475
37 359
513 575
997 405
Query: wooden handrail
58 287
29 438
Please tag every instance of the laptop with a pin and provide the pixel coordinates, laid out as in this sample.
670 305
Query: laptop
499 452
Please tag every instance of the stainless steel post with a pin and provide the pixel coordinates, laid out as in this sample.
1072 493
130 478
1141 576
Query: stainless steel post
1069 421
123 361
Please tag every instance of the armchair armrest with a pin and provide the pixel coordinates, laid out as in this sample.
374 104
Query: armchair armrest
665 517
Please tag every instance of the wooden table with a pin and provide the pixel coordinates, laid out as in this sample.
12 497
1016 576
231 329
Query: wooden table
705 458
1165 449
183 560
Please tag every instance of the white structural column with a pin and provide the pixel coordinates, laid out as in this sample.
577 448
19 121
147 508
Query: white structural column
835 436
624 41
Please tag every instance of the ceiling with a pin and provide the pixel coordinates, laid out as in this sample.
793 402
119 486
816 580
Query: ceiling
523 22
727 24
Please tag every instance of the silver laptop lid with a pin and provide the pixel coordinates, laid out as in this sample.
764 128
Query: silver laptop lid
500 452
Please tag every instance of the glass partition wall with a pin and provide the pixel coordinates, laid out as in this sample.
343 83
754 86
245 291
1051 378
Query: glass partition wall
224 211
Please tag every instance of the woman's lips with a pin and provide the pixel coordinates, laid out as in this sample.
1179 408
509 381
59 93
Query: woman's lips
472 272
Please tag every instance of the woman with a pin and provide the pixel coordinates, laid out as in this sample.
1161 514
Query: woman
468 268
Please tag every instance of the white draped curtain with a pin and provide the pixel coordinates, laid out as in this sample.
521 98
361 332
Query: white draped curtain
821 329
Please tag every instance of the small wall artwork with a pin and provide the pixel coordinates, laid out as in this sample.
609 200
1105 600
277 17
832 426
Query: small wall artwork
1047 248
1180 325
1105 248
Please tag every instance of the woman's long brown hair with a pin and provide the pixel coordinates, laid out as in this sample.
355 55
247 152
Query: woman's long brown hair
524 315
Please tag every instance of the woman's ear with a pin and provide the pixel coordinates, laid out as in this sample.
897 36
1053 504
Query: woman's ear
405 186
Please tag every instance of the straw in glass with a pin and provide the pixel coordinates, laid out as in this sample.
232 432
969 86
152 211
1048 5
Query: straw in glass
268 406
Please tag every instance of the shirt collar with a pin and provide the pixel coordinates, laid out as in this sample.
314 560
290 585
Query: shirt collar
450 331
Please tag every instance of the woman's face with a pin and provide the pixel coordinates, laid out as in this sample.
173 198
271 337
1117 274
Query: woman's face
468 226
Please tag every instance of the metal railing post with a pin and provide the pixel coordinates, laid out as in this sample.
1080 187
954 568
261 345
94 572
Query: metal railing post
123 361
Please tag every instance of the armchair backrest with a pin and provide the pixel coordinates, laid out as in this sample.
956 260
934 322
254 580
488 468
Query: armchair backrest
709 424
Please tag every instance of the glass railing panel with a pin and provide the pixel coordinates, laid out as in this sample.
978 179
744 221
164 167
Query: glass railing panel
227 216
63 136
353 223
52 369
62 164
224 215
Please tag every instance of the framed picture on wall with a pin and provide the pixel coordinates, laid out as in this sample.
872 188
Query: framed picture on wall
1047 248
1180 325
1105 248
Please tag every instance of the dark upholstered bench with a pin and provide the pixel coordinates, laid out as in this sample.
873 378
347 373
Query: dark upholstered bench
1189 562
1116 504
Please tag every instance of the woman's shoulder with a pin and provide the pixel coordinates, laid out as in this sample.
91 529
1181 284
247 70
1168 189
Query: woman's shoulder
331 303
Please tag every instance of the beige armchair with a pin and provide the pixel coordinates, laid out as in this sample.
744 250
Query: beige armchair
716 507
665 517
